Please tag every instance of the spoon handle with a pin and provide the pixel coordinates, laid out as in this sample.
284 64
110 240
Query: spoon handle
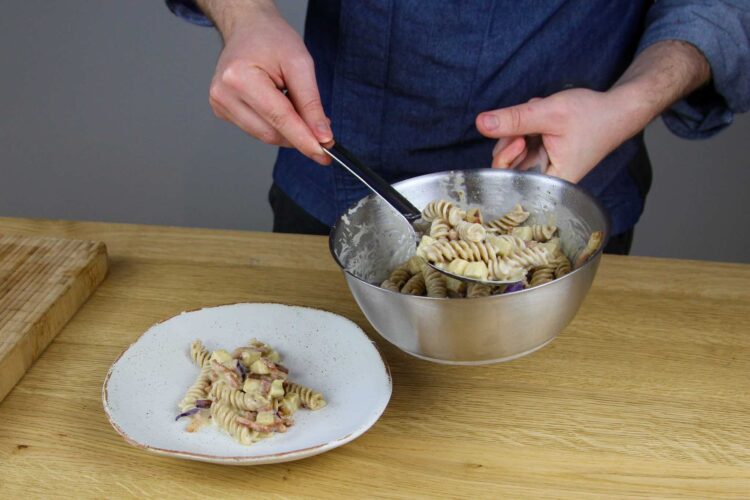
377 184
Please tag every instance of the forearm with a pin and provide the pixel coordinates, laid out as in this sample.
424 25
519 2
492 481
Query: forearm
225 14
661 75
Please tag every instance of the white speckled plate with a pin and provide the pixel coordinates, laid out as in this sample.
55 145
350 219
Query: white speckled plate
322 350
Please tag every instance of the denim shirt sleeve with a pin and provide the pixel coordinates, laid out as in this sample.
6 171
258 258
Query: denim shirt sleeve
721 31
188 10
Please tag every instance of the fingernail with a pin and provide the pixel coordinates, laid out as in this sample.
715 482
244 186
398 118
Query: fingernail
321 159
490 121
325 130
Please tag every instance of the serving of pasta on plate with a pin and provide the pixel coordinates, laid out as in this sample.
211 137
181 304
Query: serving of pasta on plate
246 393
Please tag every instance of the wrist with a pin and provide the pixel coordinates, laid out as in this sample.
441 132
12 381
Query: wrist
227 15
661 75
633 106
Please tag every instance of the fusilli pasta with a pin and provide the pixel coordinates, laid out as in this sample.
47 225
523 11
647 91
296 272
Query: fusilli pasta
512 219
310 399
246 393
474 290
504 249
434 282
199 353
443 209
541 275
225 417
439 229
415 285
199 389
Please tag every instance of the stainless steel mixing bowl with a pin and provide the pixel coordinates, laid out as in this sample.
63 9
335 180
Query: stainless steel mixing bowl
371 239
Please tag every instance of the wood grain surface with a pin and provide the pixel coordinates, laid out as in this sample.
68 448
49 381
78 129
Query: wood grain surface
43 282
645 394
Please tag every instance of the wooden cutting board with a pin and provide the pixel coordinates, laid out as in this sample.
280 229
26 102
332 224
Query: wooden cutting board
43 282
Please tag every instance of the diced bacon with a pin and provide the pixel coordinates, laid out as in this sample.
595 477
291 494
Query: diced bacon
231 376
265 386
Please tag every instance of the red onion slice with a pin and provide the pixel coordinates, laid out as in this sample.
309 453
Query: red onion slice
191 411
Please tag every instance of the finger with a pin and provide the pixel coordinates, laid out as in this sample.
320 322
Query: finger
520 158
217 95
523 119
501 144
221 112
536 160
506 157
229 107
259 92
538 157
250 122
303 91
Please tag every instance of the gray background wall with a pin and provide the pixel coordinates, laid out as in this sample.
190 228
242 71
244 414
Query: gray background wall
105 117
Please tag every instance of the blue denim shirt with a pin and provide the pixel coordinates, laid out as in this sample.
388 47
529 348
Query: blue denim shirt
403 80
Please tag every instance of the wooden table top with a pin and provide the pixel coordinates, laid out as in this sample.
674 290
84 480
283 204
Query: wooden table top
647 392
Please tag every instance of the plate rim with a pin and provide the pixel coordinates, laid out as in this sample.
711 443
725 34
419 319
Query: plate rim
268 458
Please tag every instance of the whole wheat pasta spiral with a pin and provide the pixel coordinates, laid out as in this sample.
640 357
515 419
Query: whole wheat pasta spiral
199 389
199 354
415 285
529 257
541 275
310 399
470 231
439 229
474 290
224 416
434 282
504 270
505 244
239 400
415 264
514 218
542 232
443 251
443 209
595 241
389 285
562 266
400 275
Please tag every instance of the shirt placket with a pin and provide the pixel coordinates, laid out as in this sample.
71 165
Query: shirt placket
359 84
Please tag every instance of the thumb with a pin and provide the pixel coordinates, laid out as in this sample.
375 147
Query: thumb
524 119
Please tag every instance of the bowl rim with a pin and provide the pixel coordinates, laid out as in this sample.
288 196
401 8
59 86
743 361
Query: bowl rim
509 173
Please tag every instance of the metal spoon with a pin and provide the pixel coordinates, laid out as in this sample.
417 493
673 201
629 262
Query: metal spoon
396 200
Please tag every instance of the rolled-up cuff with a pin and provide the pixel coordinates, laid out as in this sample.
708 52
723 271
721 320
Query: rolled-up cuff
717 32
189 11
698 116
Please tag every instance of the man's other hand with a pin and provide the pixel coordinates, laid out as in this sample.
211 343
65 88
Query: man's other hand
577 129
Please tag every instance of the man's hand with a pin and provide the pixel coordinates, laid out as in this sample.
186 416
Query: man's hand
265 78
577 128
570 132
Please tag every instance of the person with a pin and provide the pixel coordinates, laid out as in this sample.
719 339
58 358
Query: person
418 87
